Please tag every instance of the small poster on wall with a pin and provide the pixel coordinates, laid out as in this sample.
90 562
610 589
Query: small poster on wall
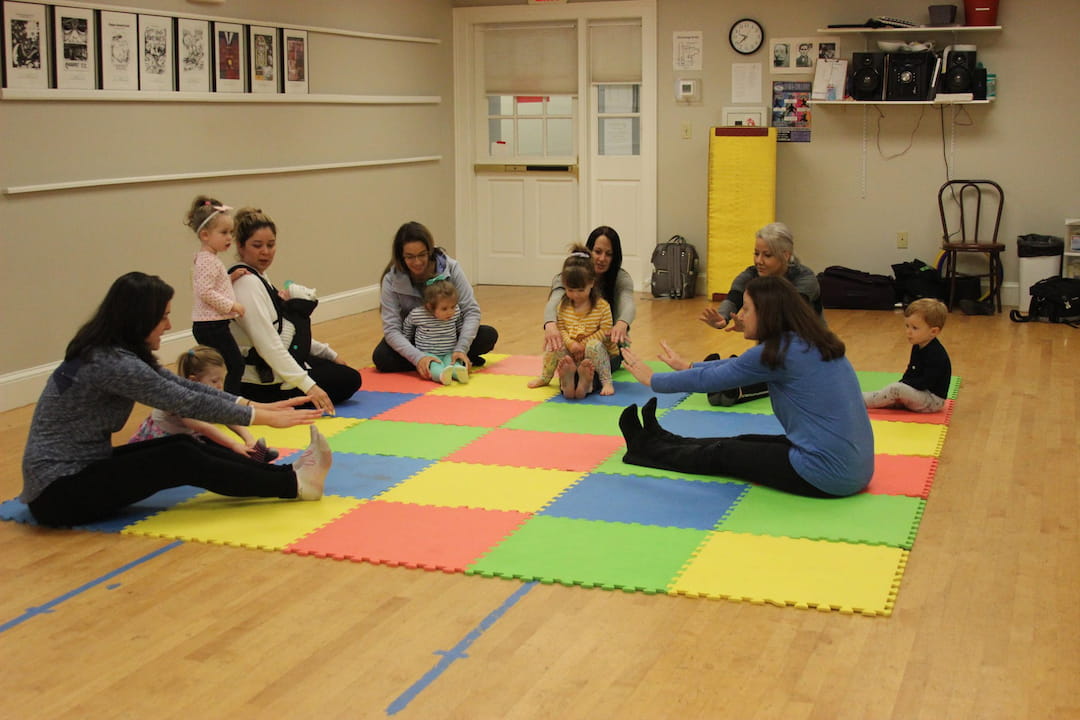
194 47
25 46
296 68
229 58
75 51
119 51
791 111
156 53
265 59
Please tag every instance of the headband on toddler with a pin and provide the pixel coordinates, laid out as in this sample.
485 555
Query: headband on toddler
437 278
217 210
580 254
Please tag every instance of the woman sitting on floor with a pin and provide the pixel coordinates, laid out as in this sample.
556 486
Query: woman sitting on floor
827 449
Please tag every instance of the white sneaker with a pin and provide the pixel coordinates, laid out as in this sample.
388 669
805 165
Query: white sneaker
312 467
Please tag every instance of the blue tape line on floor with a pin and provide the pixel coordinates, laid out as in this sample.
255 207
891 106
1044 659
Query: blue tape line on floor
457 652
48 607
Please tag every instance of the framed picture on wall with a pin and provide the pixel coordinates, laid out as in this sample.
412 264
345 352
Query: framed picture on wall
229 55
798 56
119 51
26 49
294 46
750 116
193 47
74 48
265 59
156 60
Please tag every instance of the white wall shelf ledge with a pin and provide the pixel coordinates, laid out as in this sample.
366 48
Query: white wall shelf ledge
887 103
909 30
151 96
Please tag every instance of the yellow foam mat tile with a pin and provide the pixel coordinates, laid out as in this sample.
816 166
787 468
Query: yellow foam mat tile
259 523
299 436
501 387
802 573
491 487
906 438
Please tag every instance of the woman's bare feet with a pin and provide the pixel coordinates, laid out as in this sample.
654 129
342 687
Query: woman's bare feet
312 467
566 369
586 372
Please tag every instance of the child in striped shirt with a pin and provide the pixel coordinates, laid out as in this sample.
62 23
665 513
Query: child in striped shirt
584 320
434 327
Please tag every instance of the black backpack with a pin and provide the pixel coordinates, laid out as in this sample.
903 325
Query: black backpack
298 312
1054 299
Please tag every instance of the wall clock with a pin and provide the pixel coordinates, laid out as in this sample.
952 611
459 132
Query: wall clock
746 36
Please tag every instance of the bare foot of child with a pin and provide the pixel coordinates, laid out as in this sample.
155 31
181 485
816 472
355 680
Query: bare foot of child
566 370
607 389
538 382
586 371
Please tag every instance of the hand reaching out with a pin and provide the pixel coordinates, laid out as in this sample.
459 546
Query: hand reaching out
712 318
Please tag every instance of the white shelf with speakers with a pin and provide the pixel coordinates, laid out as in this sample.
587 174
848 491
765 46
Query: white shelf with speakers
940 101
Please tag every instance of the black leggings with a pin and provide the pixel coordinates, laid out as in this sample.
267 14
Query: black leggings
216 334
761 459
137 471
386 358
339 382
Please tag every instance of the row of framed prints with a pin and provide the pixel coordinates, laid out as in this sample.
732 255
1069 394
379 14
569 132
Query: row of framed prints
51 46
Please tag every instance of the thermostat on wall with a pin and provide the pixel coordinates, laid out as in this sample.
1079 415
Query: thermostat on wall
687 90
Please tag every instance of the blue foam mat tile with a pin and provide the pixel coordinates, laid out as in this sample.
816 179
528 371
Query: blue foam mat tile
16 511
366 476
703 423
625 394
661 501
366 404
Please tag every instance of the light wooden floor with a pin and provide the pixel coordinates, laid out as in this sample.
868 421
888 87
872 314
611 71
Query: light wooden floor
986 624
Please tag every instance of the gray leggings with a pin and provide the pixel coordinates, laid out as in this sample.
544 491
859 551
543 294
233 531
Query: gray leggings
902 395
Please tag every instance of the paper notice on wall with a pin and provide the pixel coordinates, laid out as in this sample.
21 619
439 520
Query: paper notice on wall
687 47
746 83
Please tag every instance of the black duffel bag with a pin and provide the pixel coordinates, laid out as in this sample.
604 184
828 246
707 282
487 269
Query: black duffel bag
1053 299
843 287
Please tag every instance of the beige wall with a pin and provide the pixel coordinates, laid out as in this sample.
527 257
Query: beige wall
62 249
1025 140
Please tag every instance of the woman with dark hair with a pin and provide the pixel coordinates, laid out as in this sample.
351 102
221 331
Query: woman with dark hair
274 335
615 285
71 472
827 449
414 260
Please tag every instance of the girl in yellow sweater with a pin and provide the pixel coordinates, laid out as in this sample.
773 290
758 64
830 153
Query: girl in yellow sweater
584 320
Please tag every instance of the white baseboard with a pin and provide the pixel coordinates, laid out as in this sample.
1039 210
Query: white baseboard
22 387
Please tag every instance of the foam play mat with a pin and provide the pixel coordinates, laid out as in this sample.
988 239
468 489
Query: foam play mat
494 479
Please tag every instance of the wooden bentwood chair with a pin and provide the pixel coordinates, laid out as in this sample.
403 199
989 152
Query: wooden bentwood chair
966 211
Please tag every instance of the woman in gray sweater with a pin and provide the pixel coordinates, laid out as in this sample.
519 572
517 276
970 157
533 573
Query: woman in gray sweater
71 472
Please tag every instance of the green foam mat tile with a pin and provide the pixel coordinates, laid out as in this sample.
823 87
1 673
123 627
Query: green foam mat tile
864 518
592 553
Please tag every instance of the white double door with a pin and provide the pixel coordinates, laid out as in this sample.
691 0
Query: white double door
517 215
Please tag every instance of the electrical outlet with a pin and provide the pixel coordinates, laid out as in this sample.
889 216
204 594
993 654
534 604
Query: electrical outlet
687 131
901 240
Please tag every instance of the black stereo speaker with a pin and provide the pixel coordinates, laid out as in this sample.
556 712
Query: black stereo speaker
866 80
978 84
958 73
907 75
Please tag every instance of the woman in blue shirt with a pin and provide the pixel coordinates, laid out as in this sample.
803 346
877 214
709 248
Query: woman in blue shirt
827 449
